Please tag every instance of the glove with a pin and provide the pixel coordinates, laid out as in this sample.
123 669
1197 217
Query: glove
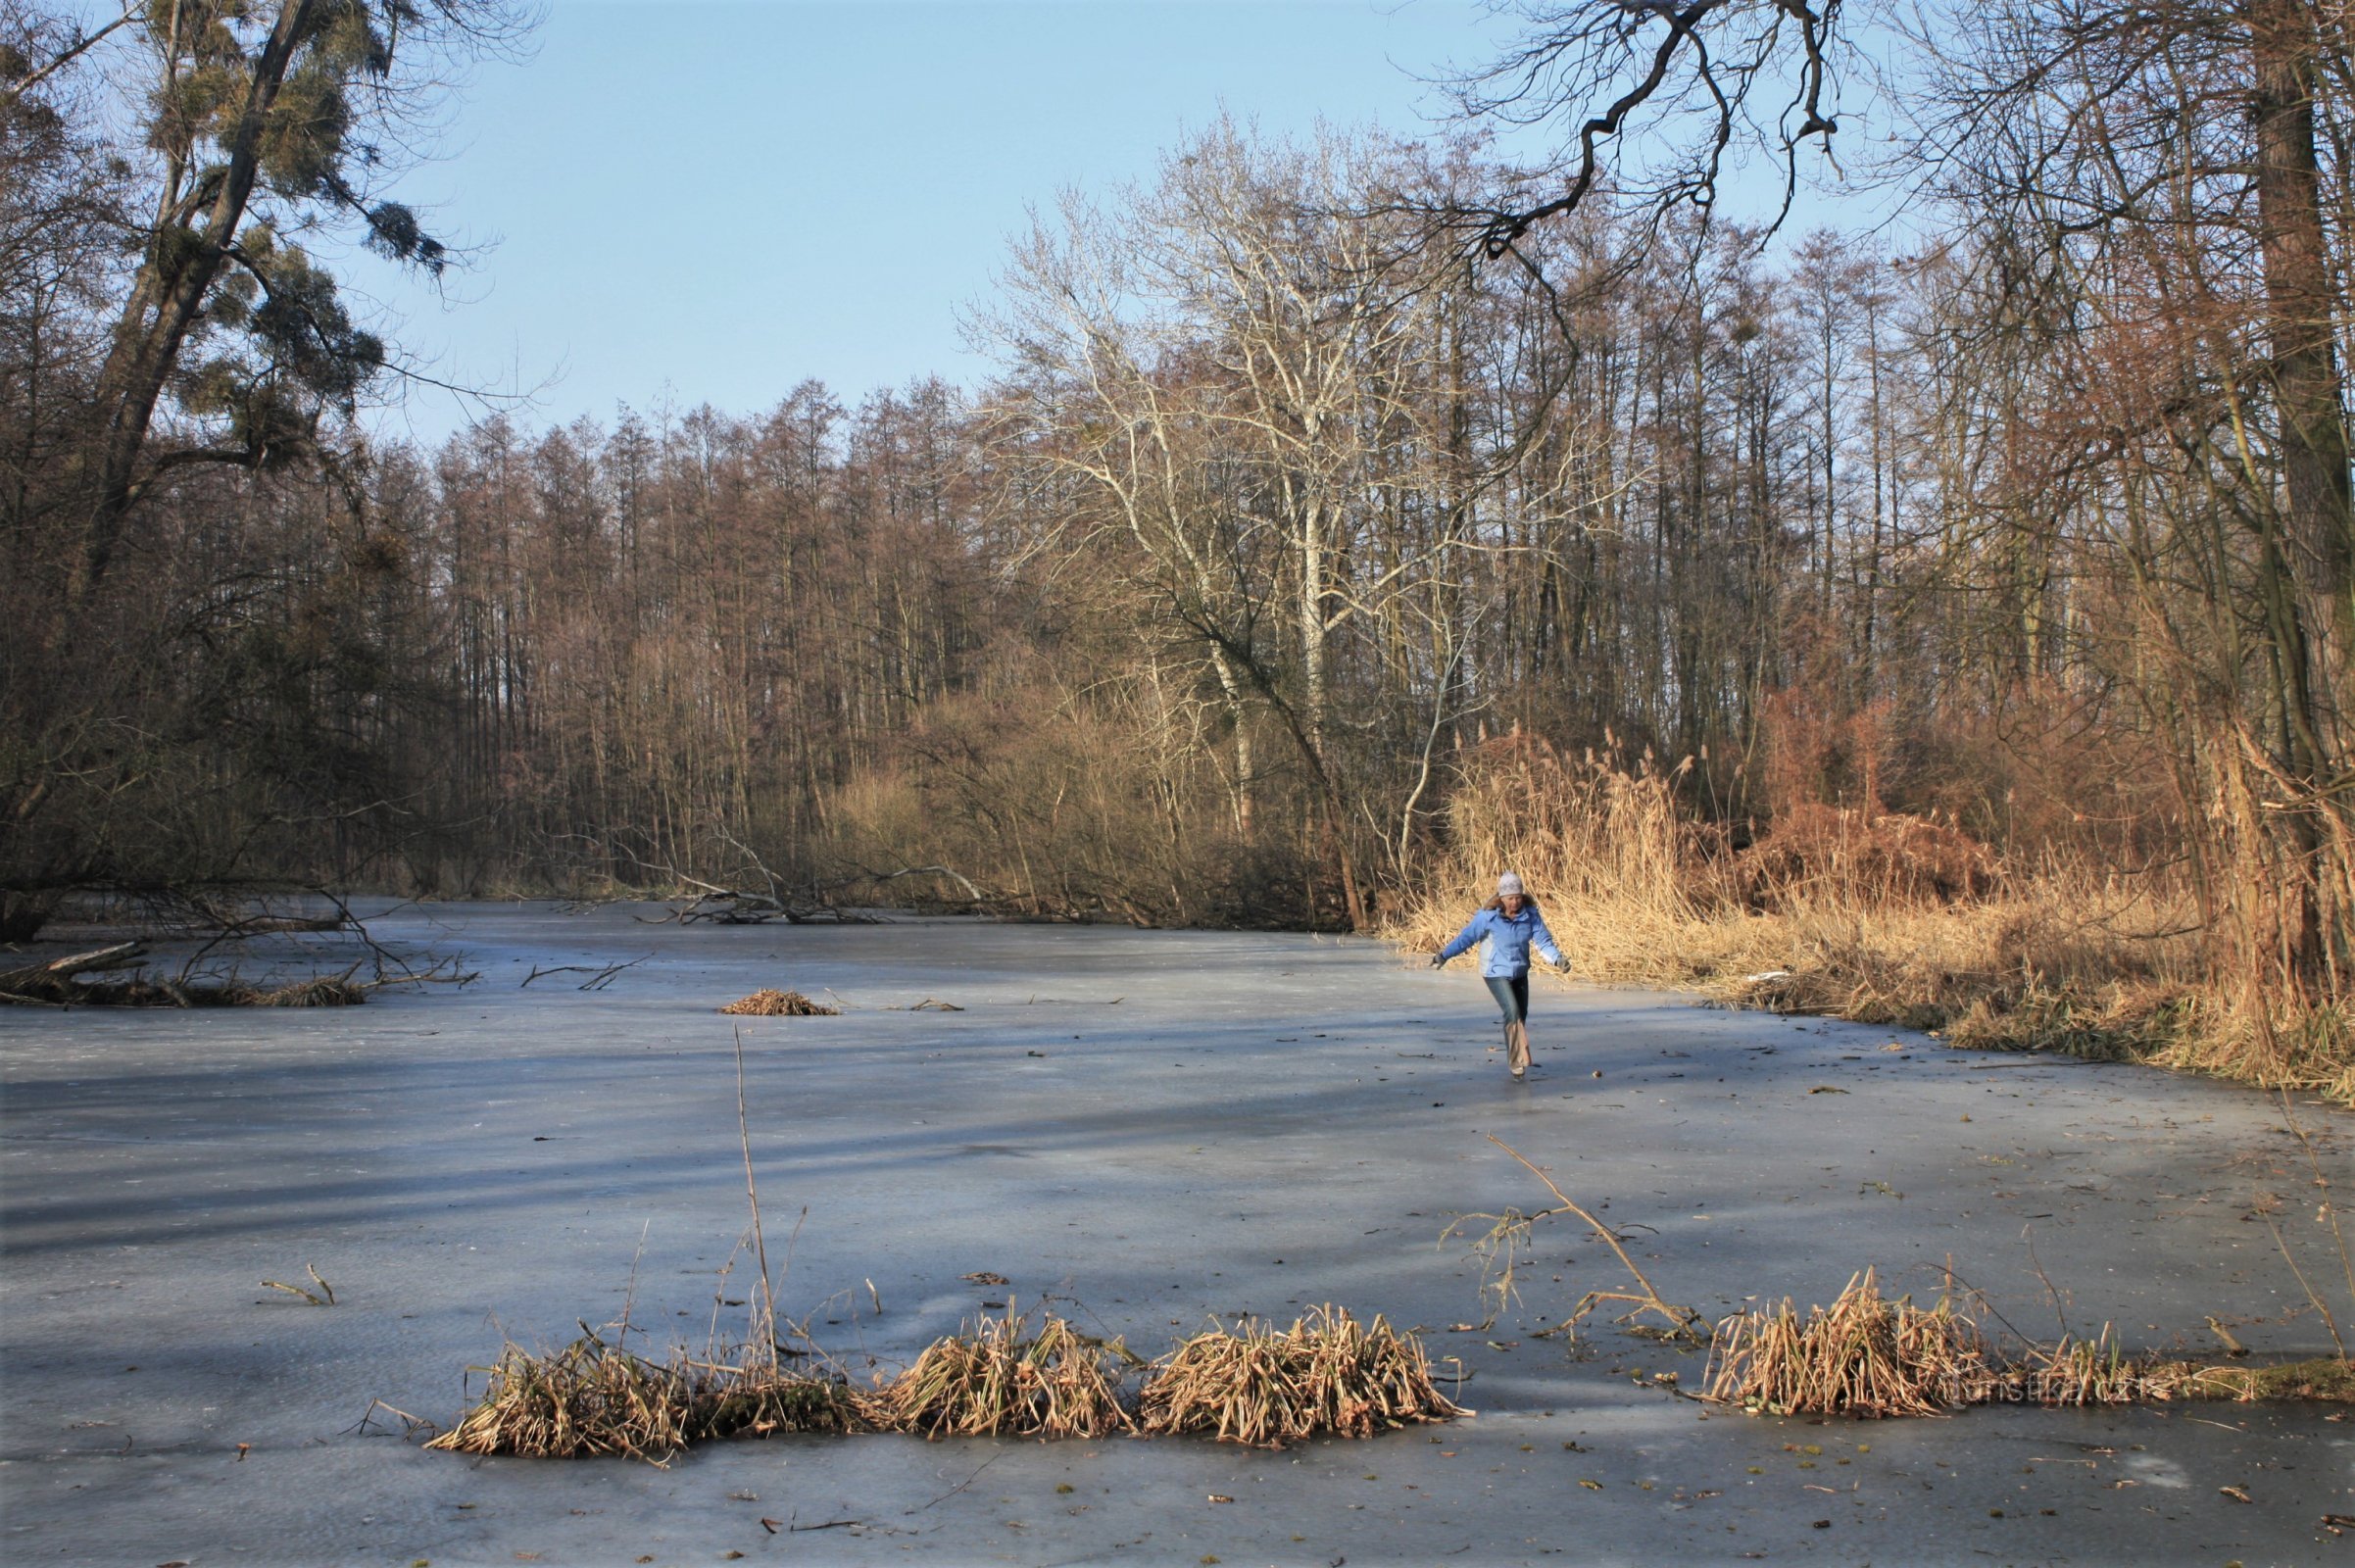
1439 960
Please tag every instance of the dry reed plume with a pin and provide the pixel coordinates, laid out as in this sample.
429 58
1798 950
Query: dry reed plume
1880 918
769 1004
1264 1387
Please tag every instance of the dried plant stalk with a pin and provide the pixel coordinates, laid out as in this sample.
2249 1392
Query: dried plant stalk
593 1399
1327 1374
995 1377
1862 1355
1865 1356
586 1399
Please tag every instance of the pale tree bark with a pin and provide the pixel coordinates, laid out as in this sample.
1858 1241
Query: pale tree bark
1221 361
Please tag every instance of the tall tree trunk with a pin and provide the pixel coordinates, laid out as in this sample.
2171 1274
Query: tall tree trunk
2318 509
182 264
2299 306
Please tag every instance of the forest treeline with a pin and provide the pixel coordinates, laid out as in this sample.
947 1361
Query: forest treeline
1321 535
1071 635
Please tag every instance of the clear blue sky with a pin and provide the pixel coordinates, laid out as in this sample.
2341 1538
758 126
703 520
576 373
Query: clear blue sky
711 202
724 199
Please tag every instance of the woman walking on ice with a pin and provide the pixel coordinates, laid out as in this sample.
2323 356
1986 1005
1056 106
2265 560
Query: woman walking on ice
1510 925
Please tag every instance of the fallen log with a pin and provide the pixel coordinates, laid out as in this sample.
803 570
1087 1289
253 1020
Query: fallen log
120 956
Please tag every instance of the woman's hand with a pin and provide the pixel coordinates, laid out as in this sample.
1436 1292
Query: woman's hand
1439 960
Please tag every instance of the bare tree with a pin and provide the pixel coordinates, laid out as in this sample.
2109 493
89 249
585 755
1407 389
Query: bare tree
1651 99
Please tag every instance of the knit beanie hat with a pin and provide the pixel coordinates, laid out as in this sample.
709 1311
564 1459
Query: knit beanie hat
1508 883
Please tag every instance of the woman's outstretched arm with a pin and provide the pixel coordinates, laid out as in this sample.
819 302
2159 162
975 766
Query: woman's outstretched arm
1471 933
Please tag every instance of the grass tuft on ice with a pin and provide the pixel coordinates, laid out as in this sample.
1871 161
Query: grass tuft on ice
1327 1375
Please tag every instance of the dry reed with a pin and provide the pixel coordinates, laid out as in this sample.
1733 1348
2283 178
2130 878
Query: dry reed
1863 1355
1880 918
1866 1355
761 1400
770 1003
1512 1233
592 1398
586 1399
996 1378
1264 1387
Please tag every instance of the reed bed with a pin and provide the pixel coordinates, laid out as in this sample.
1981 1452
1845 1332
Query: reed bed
1863 1355
1867 1356
1880 918
587 1399
997 1377
1328 1374
2079 1371
772 1003
761 1400
594 1399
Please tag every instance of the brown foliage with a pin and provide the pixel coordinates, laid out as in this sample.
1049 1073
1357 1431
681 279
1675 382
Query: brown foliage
1899 920
1888 858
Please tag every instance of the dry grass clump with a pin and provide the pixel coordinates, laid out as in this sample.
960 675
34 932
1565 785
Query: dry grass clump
1863 1355
593 1399
2079 1371
760 1400
769 1004
1264 1387
586 1399
2101 1371
2265 1041
1866 1355
996 1378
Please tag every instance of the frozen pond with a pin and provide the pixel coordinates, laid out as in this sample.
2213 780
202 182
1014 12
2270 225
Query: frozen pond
1154 1126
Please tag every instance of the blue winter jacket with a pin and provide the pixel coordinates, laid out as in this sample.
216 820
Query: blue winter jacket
1508 941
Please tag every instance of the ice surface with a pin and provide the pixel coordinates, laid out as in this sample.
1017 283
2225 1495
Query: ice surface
1155 1127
